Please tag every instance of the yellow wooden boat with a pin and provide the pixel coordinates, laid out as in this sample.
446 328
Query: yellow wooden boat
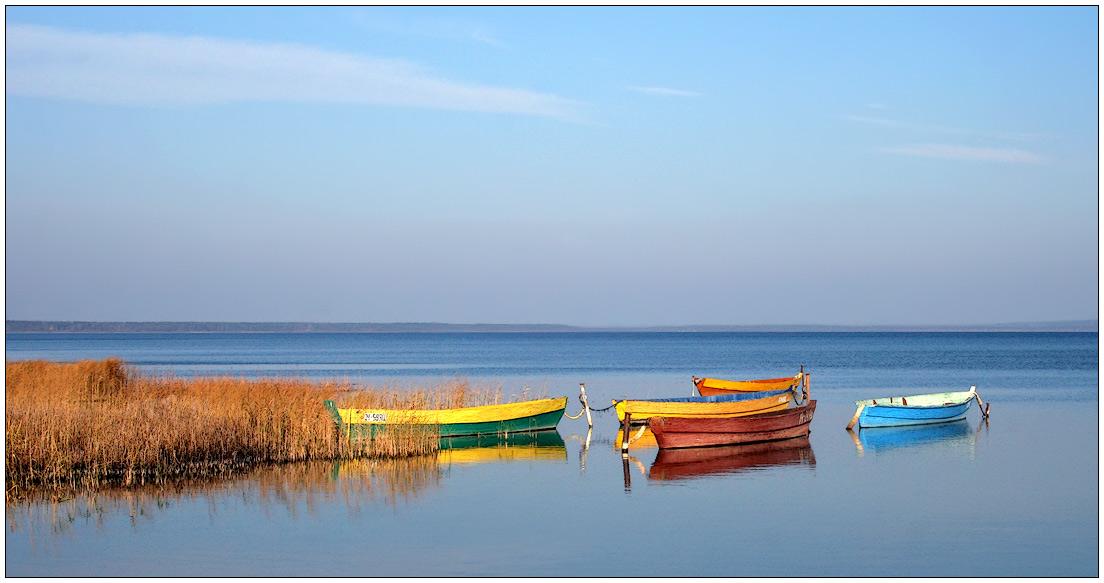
485 419
739 403
707 387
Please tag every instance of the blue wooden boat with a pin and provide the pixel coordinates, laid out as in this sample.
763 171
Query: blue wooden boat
915 409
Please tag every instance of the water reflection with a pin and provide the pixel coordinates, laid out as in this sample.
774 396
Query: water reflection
696 462
639 437
585 443
537 445
299 488
628 465
953 435
357 485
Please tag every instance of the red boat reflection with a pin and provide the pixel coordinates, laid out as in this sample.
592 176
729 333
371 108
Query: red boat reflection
679 464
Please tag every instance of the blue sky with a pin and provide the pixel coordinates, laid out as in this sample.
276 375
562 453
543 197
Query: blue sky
585 166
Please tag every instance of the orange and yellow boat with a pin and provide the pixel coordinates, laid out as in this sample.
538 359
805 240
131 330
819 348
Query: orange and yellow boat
707 387
713 406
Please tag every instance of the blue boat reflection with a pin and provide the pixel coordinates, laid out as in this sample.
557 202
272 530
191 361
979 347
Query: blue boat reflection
953 434
695 462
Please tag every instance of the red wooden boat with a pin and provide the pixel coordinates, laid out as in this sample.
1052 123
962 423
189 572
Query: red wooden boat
705 431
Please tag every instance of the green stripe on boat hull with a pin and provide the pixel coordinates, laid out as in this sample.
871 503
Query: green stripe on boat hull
536 423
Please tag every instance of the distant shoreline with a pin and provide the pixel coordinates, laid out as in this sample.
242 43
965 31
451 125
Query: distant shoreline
44 326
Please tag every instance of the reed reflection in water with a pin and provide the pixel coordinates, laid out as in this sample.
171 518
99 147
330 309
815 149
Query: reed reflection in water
291 486
358 485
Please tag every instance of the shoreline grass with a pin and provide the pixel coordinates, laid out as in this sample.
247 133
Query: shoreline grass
89 424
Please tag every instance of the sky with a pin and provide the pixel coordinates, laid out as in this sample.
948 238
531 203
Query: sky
588 166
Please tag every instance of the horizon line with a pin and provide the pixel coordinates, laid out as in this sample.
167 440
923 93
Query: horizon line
107 326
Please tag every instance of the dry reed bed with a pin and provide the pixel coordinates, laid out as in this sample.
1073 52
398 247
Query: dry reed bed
93 423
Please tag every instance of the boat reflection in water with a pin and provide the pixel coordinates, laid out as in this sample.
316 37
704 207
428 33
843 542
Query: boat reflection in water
955 435
537 445
639 438
695 462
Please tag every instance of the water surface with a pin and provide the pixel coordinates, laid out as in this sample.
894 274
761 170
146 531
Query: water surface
1017 496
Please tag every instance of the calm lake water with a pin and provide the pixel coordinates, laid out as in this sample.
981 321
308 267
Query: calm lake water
1017 496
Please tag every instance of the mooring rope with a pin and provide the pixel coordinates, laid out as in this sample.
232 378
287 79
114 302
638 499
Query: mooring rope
587 406
797 398
601 410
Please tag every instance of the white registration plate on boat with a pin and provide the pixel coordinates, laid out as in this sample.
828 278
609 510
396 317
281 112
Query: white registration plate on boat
375 417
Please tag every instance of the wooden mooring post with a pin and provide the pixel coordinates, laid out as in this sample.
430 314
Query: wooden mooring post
985 410
804 385
626 423
855 419
586 406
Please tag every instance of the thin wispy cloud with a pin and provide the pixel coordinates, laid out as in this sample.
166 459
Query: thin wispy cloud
441 28
902 125
952 151
161 70
966 153
665 91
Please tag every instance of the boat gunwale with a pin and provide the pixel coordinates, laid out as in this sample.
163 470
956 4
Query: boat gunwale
965 398
473 408
737 396
703 380
705 407
740 419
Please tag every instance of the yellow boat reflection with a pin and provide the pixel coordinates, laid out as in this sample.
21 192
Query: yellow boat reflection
538 445
639 438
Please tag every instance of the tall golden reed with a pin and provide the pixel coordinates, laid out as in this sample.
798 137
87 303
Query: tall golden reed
90 423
